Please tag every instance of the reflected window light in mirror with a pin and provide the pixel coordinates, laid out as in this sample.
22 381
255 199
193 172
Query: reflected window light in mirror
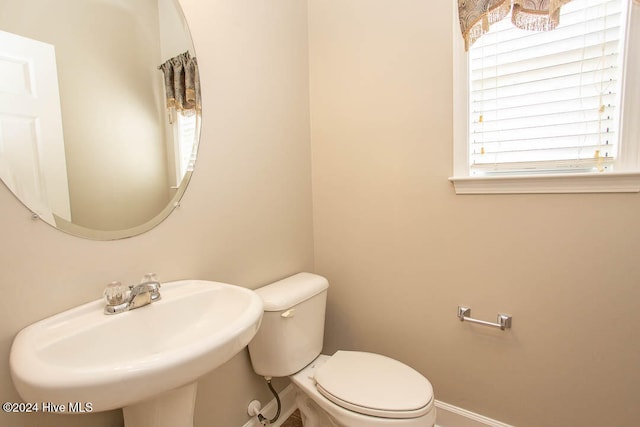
186 129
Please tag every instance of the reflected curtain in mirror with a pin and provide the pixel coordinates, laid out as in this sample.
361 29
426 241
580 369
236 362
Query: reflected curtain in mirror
182 85
182 89
476 16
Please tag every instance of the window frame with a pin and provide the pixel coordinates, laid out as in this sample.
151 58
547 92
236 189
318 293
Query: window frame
625 177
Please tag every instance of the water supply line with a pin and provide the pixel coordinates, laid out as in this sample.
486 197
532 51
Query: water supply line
275 394
255 407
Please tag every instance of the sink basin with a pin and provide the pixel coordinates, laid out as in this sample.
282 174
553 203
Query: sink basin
132 358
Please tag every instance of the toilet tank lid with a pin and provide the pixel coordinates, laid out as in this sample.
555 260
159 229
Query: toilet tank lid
286 293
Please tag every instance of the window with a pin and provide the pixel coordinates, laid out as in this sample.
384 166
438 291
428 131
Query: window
185 142
543 111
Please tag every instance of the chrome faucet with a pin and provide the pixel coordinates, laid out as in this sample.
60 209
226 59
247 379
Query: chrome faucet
121 298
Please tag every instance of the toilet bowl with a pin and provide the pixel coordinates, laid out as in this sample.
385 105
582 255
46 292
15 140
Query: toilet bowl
325 412
347 389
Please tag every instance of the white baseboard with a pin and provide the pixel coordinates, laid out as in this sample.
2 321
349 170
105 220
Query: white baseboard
448 415
288 400
452 416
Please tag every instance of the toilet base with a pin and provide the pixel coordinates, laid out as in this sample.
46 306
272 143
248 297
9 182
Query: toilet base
312 415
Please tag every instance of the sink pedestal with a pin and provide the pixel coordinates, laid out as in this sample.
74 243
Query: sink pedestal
173 408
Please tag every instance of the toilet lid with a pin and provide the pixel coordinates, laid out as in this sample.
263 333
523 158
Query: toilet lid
373 384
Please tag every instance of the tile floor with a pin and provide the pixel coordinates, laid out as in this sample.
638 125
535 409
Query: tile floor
294 420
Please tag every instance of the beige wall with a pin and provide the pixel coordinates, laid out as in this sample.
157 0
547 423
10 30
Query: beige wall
246 218
402 251
175 37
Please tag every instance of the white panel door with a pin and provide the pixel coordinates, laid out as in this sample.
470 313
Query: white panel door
32 159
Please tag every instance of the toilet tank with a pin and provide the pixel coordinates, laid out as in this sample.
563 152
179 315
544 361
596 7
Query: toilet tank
292 328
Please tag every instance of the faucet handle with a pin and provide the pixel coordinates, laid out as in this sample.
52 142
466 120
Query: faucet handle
153 285
149 278
116 293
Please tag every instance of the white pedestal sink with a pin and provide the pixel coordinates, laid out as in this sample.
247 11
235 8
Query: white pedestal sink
146 360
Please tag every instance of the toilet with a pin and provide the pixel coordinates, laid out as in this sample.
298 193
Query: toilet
347 389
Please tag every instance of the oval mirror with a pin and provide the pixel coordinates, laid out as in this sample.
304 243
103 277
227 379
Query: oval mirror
99 111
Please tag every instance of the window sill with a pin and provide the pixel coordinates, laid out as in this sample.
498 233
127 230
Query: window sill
609 182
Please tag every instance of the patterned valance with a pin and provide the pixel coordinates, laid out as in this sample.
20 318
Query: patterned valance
476 16
182 83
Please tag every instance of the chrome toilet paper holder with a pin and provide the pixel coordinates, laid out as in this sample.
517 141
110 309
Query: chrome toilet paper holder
504 320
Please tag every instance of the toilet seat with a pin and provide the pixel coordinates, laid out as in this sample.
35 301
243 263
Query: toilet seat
376 385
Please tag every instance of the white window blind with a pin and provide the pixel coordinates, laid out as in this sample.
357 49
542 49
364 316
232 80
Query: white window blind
187 135
548 101
186 129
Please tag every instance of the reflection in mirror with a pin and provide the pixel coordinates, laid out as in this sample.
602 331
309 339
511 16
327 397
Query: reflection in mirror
88 139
